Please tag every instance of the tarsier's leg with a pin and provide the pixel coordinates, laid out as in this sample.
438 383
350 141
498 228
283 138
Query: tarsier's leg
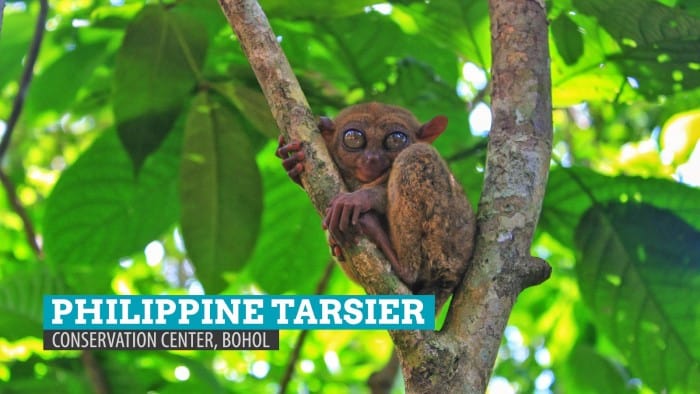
376 231
431 222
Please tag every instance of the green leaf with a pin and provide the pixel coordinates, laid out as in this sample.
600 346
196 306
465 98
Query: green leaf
292 250
156 69
567 39
641 22
588 372
21 302
660 45
352 57
314 8
457 25
643 287
51 90
17 31
252 105
99 211
220 193
566 199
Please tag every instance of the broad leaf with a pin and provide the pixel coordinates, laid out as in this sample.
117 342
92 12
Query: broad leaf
21 302
566 198
660 45
588 372
252 105
52 91
567 39
313 8
643 288
220 193
156 68
457 25
352 58
17 31
99 211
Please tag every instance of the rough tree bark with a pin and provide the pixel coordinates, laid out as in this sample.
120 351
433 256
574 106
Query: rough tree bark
461 356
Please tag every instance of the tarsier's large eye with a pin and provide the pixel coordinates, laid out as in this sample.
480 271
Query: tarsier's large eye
354 139
396 141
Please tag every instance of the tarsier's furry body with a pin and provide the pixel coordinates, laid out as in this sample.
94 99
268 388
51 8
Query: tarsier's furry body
402 194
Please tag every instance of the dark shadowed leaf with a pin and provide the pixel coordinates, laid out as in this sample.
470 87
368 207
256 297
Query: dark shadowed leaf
639 272
99 211
156 68
252 105
567 39
220 193
588 372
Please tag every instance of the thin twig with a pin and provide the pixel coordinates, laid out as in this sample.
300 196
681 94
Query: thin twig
27 74
21 212
2 13
96 374
294 357
468 152
12 122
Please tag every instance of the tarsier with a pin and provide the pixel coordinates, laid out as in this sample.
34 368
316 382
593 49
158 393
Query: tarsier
402 195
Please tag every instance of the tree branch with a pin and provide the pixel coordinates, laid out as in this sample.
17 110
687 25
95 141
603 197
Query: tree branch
516 172
27 74
295 120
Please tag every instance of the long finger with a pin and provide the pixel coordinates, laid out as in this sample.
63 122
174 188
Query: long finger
284 150
345 218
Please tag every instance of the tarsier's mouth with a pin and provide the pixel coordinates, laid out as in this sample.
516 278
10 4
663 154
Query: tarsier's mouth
370 176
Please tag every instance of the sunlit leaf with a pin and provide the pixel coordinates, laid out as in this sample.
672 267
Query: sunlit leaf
21 302
566 198
52 91
220 193
313 8
354 58
99 211
463 26
17 30
640 285
156 68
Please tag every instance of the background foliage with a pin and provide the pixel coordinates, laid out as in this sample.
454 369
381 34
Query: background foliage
144 162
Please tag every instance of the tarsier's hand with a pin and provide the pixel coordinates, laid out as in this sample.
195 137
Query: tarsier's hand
335 248
292 158
344 211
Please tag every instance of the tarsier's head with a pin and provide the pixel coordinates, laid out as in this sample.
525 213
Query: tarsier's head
365 139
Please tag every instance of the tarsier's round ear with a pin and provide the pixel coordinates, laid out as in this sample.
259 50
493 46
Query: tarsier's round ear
431 130
325 125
